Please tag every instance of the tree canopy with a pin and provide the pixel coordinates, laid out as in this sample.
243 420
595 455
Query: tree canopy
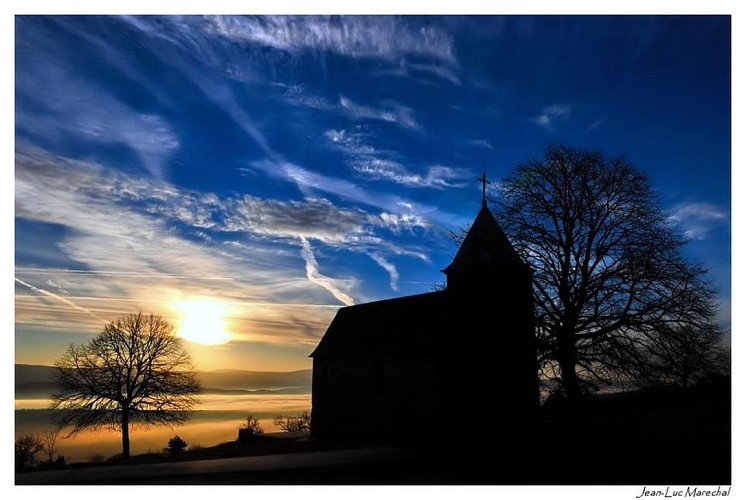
610 281
136 371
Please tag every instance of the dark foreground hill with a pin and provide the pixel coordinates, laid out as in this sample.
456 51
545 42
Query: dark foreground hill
663 436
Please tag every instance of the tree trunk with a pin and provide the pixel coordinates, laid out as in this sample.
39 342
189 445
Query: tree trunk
125 432
567 361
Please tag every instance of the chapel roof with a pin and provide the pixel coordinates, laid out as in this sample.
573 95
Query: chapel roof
400 325
485 246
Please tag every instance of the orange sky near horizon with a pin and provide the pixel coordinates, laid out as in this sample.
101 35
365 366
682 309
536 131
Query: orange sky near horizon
204 428
219 332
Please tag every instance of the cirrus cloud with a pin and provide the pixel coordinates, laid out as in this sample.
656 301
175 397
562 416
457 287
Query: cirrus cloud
551 115
697 219
374 37
436 176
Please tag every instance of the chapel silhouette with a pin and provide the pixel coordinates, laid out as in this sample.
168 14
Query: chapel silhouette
408 367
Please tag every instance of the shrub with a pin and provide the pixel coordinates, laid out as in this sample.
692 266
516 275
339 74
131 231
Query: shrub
98 458
302 422
555 395
253 424
176 446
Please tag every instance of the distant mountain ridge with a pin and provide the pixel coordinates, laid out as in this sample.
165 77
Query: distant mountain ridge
36 381
245 379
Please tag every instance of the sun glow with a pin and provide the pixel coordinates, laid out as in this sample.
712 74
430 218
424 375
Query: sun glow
202 320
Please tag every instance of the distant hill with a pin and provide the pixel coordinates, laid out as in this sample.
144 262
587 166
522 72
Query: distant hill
36 381
244 379
33 373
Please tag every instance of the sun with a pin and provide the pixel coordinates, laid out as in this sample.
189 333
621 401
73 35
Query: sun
202 320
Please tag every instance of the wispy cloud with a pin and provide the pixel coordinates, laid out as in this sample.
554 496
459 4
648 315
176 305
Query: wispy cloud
551 115
292 324
198 210
123 236
389 267
108 236
439 71
298 95
698 219
56 297
57 287
480 143
312 217
223 97
310 182
436 176
314 276
377 164
384 38
596 124
129 257
390 111
315 218
398 222
427 74
351 143
84 111
372 37
185 38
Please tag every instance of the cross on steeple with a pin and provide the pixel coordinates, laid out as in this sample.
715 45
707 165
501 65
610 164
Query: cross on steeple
484 181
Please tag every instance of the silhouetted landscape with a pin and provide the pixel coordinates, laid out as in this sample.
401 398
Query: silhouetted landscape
664 435
502 244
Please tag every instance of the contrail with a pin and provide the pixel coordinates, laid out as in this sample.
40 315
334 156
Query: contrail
61 299
312 272
390 268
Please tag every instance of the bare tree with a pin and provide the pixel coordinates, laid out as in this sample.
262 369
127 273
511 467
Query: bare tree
302 422
609 275
253 424
135 371
26 449
683 355
48 440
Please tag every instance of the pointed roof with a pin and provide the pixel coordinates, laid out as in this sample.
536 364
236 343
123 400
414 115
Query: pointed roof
485 246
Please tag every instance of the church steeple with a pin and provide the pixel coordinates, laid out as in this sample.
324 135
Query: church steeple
484 182
485 251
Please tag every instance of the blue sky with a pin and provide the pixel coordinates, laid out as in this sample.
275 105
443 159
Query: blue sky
285 166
